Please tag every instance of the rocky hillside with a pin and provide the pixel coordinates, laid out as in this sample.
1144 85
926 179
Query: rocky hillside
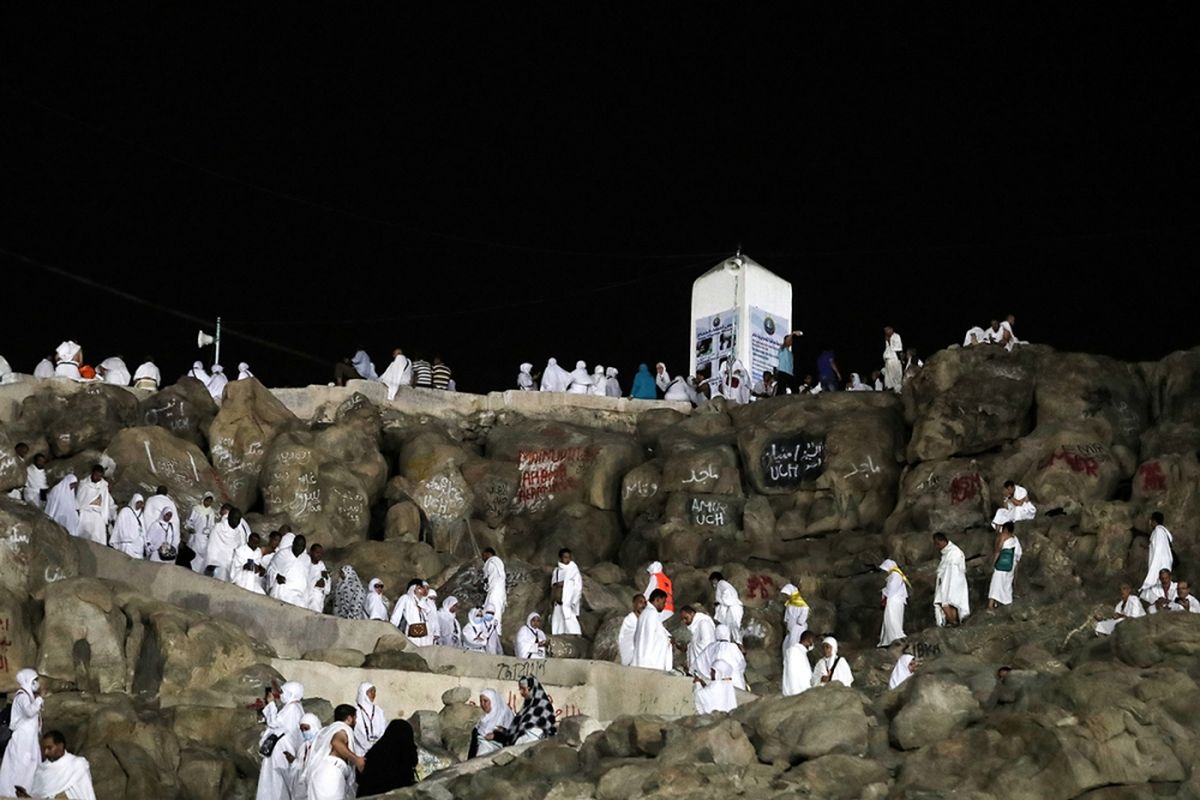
814 491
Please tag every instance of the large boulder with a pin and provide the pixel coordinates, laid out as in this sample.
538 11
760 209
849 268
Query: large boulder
705 741
945 495
315 481
1077 386
969 400
593 536
36 551
87 418
839 777
829 719
83 636
934 708
149 457
446 500
1064 466
241 434
12 471
528 589
186 409
396 563
18 650
642 492
1171 484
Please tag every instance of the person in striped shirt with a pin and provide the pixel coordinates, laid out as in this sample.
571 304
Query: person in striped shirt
422 374
441 374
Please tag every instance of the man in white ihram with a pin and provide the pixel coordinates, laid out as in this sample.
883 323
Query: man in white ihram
951 601
893 355
61 774
398 373
651 642
1161 556
95 507
629 630
569 581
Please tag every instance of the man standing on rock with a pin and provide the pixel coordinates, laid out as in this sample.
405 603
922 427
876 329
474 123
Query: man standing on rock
226 537
496 581
704 633
729 608
566 588
659 580
629 630
36 487
651 642
293 581
894 600
318 579
245 566
1161 556
893 359
95 507
951 600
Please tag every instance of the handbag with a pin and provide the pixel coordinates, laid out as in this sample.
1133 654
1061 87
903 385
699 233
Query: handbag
556 592
1004 561
417 630
268 746
167 553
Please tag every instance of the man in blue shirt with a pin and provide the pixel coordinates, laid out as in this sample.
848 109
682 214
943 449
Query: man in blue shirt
785 373
827 370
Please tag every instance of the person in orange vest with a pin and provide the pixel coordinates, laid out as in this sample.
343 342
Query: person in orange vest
659 580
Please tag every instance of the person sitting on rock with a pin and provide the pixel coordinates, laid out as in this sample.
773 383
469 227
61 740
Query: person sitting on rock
1004 567
1129 607
994 334
832 668
217 383
60 773
422 372
1160 556
531 639
975 336
856 384
951 599
877 381
1159 596
715 692
45 367
810 386
651 642
443 378
1008 337
728 605
659 580
765 387
68 358
703 633
199 373
894 600
554 377
399 373
1184 600
629 629
495 715
683 390
1017 506
662 378
244 372
535 720
409 614
147 376
599 382
643 384
612 386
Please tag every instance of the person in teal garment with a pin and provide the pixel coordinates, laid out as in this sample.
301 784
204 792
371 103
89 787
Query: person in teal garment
643 384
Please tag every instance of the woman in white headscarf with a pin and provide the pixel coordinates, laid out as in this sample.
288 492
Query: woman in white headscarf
895 598
599 382
612 387
218 382
715 691
370 722
449 631
364 366
531 639
902 671
495 715
274 778
244 371
581 382
44 369
832 668
68 356
128 535
797 673
736 387
724 649
310 724
115 371
199 373
411 617
24 751
62 503
375 604
662 378
856 384
555 378
162 538
147 376
525 378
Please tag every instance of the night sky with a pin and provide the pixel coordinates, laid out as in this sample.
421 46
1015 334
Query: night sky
500 189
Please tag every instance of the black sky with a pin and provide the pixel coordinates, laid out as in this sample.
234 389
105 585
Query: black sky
501 189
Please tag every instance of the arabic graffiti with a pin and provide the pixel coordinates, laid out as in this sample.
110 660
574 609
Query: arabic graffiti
640 488
1153 479
760 586
965 487
707 473
866 468
789 460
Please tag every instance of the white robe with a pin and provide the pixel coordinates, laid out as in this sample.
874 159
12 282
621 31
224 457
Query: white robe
155 505
581 381
317 594
1011 512
893 370
222 541
530 642
217 383
161 533
375 605
901 672
625 638
370 721
70 775
24 751
612 386
730 653
35 482
147 376
835 666
1001 587
95 507
1160 554
497 590
329 777
128 535
729 609
1155 593
62 505
662 378
975 336
716 694
274 778
410 611
651 642
449 631
248 579
115 371
895 591
599 382
44 369
797 670
555 378
398 373
704 633
566 614
478 636
1189 604
364 366
200 525
951 589
295 588
1131 608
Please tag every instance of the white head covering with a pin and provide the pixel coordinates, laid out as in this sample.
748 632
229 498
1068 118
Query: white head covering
724 634
654 568
611 372
115 371
199 373
362 700
312 721
789 590
832 642
902 671
244 371
501 716
27 680
532 616
148 371
364 366
449 603
526 369
374 603
291 692
67 351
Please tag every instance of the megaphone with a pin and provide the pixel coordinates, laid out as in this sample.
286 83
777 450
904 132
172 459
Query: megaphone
203 339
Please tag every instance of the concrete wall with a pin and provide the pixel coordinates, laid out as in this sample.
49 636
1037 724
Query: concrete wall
291 631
